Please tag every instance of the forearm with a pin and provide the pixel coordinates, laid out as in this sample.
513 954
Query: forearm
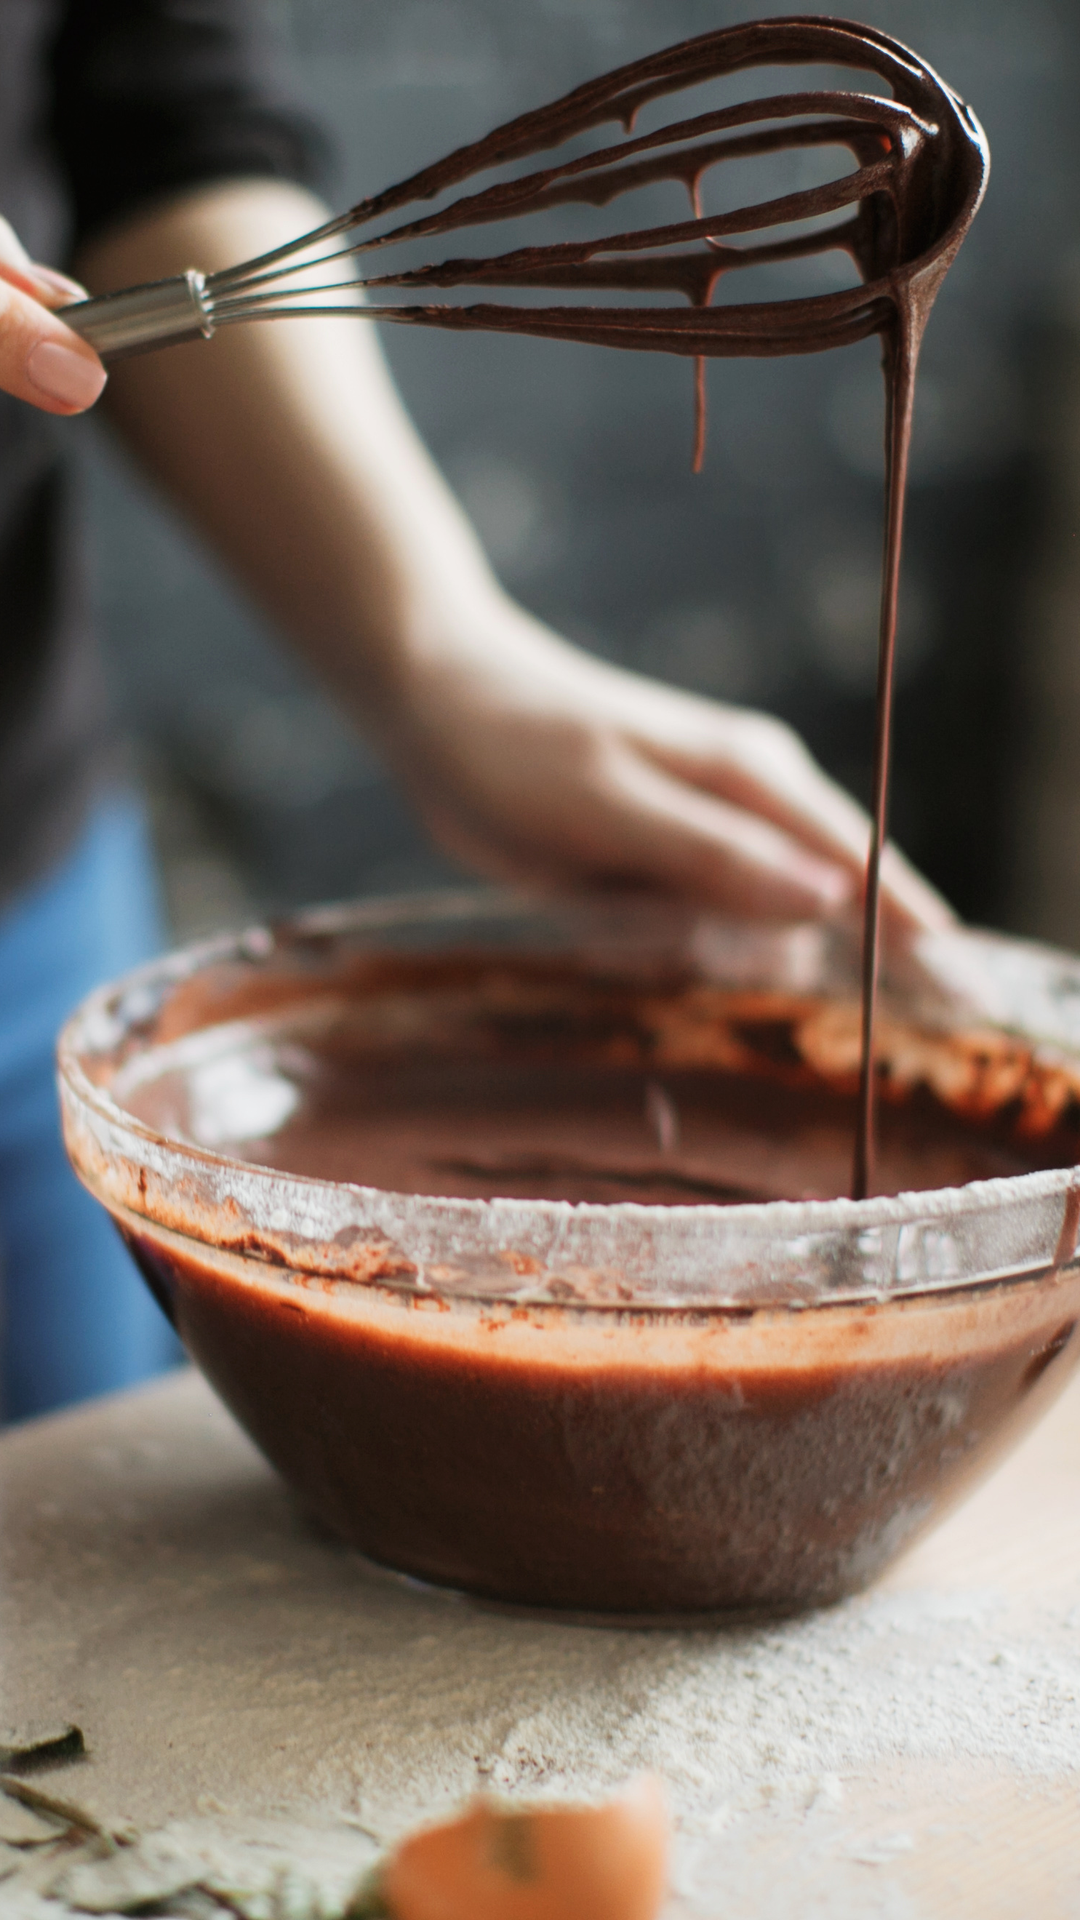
287 445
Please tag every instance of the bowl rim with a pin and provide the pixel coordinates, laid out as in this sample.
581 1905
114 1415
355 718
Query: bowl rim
926 1208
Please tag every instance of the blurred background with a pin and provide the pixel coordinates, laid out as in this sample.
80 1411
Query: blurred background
756 581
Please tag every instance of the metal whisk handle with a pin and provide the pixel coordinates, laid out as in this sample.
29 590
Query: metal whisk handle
138 319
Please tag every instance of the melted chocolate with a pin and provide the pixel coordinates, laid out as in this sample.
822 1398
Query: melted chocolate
477 1077
538 1432
627 1463
921 171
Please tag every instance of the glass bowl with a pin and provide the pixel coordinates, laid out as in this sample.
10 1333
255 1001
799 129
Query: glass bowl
464 1206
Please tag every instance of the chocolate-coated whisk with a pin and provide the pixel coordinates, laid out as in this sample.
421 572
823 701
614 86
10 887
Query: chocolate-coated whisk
900 213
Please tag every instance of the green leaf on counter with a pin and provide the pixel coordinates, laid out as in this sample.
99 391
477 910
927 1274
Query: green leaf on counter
368 1903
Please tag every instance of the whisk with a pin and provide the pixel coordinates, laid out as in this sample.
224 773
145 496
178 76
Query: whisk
900 213
921 163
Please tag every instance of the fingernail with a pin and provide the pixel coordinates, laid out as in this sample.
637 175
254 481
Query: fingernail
65 375
52 282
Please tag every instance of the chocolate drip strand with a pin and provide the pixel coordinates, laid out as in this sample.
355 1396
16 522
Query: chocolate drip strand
901 358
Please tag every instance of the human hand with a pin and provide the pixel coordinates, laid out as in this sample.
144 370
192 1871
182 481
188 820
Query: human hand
538 764
41 360
529 759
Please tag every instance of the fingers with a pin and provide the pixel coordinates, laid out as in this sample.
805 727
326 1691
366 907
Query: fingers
623 821
41 360
796 794
563 770
913 902
53 289
705 848
759 764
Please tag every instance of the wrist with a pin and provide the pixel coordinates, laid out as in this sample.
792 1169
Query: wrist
441 647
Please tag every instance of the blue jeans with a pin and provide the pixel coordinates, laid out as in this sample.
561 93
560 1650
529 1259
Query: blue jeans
75 1318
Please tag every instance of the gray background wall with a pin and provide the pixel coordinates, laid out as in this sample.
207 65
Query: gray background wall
756 581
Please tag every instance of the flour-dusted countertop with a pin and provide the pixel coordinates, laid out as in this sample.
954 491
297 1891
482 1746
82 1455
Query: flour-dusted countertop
914 1752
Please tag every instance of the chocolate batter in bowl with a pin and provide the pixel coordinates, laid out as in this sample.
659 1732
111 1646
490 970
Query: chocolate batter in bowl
511 1234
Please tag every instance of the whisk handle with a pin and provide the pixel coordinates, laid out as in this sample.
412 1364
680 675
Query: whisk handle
138 319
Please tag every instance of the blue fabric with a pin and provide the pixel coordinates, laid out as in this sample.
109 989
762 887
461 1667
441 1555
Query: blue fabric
76 1318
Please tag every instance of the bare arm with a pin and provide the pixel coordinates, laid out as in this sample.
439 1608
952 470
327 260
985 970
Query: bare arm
288 446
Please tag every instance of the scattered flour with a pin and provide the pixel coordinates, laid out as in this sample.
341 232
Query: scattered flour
230 1667
726 1716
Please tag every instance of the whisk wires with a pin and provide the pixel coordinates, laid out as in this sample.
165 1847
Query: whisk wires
872 128
922 138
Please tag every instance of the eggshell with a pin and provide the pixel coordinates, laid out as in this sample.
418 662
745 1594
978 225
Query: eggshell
497 1862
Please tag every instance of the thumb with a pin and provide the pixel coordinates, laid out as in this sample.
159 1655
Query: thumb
41 360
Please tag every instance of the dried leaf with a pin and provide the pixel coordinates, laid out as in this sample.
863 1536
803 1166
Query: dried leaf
135 1877
43 1867
22 1903
27 1749
287 1895
22 1827
10 1859
205 1870
65 1812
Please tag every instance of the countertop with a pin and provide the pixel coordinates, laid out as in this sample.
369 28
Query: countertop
914 1752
